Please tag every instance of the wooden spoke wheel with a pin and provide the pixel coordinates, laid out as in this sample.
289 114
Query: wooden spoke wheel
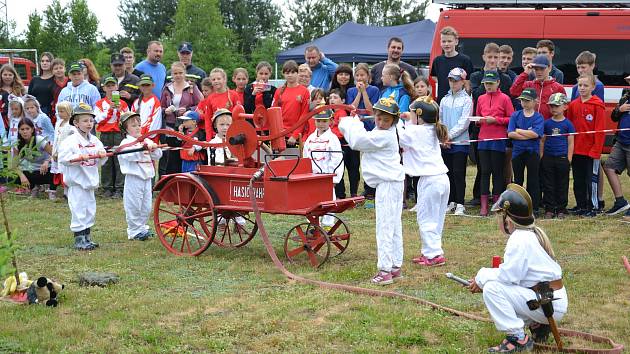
184 216
307 242
234 229
339 236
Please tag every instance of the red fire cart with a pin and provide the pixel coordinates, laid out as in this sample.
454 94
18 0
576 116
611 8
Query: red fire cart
212 204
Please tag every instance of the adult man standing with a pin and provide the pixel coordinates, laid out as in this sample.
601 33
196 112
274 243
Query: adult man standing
152 66
127 83
395 48
185 52
322 68
130 61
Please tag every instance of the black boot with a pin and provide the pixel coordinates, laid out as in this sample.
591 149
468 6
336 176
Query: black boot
87 233
80 243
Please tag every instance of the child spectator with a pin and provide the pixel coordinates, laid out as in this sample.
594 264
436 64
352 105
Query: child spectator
585 64
221 97
422 87
15 115
506 54
527 56
206 87
383 171
62 130
148 106
619 158
455 108
528 261
293 98
317 97
190 153
60 80
496 108
107 117
33 153
587 114
342 79
43 126
397 84
525 129
544 84
556 158
139 171
78 90
82 177
260 92
547 48
421 140
442 65
304 76
323 147
221 122
491 62
240 77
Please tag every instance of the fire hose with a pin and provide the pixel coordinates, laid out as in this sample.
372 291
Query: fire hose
614 347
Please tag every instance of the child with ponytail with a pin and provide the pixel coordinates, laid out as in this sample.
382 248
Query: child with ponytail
398 82
421 138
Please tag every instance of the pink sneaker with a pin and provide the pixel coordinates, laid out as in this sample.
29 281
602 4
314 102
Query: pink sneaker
382 278
433 262
396 273
419 260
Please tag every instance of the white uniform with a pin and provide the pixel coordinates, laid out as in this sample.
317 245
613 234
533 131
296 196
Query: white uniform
62 130
220 153
81 178
150 112
506 289
139 170
422 157
325 162
381 169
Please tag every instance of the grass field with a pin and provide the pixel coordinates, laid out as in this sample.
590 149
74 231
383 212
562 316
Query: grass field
236 301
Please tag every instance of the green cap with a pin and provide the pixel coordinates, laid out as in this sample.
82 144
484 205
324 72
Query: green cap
75 67
109 79
558 99
528 94
145 79
491 76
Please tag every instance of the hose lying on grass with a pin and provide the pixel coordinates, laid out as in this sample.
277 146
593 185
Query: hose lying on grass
614 347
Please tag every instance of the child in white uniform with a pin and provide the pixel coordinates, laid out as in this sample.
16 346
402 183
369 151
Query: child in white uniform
221 122
82 177
528 261
139 170
421 140
381 169
62 130
320 141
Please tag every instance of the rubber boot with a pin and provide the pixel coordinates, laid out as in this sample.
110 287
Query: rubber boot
80 243
87 233
484 205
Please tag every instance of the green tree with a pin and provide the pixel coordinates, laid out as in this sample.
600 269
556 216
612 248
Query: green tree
200 22
251 21
34 31
146 20
84 29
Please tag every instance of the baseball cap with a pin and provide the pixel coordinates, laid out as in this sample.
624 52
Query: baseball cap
528 94
457 74
190 115
490 76
540 61
75 67
109 79
185 47
117 59
145 79
558 99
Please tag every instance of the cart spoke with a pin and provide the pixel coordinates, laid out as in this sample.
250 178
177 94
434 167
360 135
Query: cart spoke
167 211
295 252
192 199
312 258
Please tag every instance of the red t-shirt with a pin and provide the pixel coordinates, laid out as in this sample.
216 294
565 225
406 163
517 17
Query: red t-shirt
228 99
241 97
294 102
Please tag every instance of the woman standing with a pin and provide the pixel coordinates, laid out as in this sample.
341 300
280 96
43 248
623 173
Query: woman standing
178 97
11 84
343 79
42 86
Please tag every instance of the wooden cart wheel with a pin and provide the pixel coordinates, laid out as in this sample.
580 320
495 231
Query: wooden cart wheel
339 236
234 229
307 242
184 216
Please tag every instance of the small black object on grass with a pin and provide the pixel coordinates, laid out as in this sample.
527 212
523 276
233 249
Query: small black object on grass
97 279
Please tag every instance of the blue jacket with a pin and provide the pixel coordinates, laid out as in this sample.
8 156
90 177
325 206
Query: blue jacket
400 95
43 125
623 119
454 112
323 73
85 92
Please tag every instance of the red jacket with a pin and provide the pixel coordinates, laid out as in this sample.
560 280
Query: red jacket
544 90
294 102
497 105
228 99
588 116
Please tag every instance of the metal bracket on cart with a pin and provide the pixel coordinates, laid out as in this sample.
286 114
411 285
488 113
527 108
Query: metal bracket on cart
274 176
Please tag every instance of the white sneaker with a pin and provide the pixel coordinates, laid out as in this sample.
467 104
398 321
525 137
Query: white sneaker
460 210
450 207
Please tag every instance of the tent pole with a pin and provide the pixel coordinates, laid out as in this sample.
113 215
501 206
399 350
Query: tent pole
276 73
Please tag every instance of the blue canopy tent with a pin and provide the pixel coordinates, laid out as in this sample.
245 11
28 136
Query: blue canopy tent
353 42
